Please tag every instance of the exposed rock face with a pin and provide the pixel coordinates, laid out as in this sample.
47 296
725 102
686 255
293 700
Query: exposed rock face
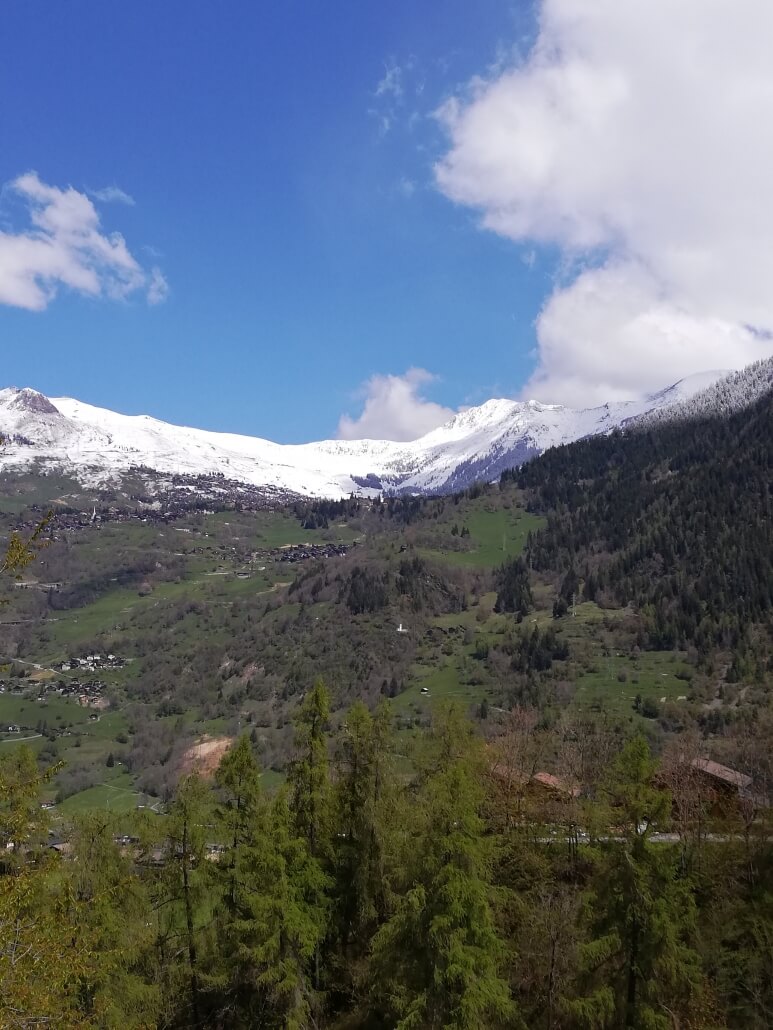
32 401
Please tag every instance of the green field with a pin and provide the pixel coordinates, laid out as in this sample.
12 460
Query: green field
651 675
495 536
116 794
55 711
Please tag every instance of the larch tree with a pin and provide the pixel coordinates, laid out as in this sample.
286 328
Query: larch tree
309 772
241 819
436 962
280 928
364 840
639 967
108 911
184 891
308 777
39 976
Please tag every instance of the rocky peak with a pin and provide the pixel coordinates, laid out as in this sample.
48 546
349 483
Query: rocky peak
30 400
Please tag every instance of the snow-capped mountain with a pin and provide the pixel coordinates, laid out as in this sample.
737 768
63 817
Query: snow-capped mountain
98 447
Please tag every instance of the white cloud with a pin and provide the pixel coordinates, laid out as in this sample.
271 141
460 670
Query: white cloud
395 409
395 96
158 287
113 195
391 83
633 138
384 121
65 246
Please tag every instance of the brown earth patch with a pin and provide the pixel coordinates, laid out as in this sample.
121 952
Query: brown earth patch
204 756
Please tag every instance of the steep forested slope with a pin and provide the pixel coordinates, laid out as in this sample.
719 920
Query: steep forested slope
674 518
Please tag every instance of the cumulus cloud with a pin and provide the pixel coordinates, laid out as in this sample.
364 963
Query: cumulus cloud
394 409
632 138
64 245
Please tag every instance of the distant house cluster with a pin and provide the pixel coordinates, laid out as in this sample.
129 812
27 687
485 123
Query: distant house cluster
182 494
88 693
173 497
91 662
33 584
304 552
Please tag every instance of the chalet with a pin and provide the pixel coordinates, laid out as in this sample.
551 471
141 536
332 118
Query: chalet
730 790
539 795
723 779
553 784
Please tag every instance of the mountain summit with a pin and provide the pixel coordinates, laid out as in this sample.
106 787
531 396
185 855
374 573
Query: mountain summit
96 447
27 400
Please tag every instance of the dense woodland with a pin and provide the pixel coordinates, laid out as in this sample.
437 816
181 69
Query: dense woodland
520 862
677 521
361 895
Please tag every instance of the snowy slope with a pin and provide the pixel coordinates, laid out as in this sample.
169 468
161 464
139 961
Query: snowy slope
97 446
731 393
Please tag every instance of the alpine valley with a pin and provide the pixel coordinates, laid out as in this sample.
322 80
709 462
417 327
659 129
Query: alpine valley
465 715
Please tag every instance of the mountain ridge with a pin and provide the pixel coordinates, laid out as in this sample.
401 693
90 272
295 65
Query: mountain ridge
97 446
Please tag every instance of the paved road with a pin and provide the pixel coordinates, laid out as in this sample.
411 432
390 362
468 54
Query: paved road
654 838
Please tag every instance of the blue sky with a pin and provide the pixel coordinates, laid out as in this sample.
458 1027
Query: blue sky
315 201
289 204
